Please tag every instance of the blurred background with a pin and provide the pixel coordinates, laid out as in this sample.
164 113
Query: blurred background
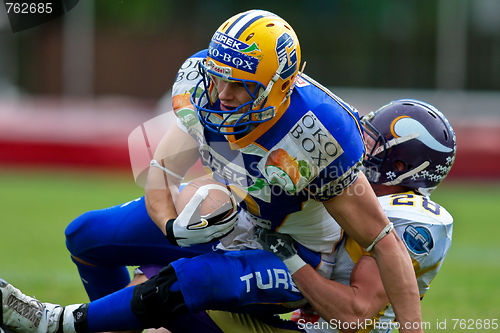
72 89
101 69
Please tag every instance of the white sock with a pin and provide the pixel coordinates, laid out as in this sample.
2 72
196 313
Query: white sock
68 318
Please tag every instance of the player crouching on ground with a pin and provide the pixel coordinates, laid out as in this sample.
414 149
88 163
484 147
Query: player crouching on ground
411 148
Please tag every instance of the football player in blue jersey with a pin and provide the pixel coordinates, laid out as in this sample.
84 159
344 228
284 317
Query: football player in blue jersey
288 147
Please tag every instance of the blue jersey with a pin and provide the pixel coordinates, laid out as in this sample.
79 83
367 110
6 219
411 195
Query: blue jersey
310 154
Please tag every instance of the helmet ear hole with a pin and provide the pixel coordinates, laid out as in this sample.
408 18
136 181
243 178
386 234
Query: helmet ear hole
285 85
399 165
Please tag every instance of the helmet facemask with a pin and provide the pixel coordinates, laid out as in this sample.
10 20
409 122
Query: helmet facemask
237 121
376 150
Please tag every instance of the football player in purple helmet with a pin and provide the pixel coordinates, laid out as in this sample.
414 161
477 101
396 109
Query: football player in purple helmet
410 149
413 145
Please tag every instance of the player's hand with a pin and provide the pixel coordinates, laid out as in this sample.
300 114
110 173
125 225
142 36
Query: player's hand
281 245
201 231
275 242
191 228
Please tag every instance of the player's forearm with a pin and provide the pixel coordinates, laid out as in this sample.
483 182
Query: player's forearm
399 282
350 304
159 208
332 300
159 202
360 215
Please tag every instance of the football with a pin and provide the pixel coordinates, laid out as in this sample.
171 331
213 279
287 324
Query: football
216 205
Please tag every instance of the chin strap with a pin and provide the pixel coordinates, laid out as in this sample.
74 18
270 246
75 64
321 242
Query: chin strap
270 85
408 174
387 229
290 91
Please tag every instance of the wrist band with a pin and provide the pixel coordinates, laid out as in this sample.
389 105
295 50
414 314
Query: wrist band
387 229
294 263
169 229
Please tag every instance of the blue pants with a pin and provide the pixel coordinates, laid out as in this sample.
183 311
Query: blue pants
103 242
254 281
250 281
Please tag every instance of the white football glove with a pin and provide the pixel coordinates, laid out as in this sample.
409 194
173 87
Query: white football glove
191 228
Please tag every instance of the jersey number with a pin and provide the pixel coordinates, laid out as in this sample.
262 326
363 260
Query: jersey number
410 199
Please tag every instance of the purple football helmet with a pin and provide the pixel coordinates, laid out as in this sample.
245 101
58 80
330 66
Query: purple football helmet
410 143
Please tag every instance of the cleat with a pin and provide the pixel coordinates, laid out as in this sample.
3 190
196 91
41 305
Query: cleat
22 313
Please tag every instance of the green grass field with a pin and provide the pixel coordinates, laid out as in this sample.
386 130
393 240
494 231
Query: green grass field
467 287
36 207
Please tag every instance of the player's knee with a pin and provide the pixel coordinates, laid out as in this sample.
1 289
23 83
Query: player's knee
81 232
157 301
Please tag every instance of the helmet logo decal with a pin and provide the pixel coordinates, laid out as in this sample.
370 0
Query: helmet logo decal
231 52
222 70
404 125
235 44
287 51
251 48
